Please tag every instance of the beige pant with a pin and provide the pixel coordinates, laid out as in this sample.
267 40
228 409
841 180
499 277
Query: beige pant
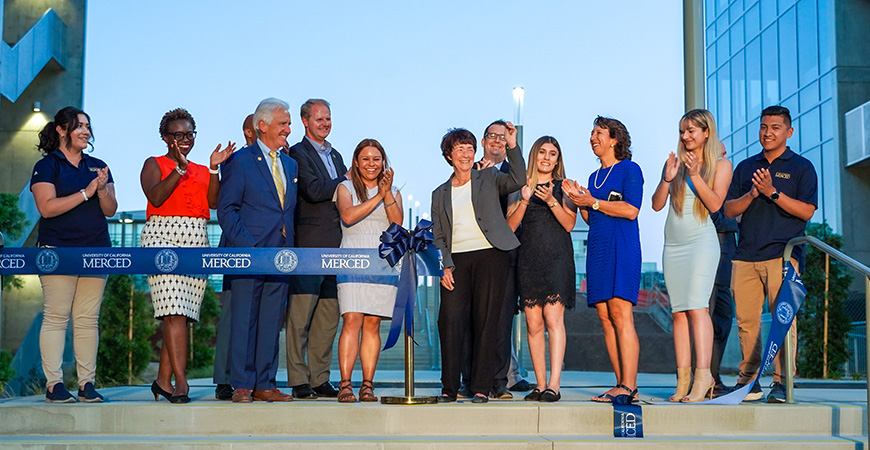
66 295
751 282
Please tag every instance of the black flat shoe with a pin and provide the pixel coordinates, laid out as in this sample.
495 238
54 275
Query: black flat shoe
550 396
444 398
534 396
479 398
304 392
158 391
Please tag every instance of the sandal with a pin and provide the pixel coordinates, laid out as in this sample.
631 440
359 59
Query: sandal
605 397
345 392
632 393
366 391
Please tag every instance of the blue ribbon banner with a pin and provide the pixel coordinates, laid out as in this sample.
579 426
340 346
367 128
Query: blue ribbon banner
206 260
788 302
627 418
397 244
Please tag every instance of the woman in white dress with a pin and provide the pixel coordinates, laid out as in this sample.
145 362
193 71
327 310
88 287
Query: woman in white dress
696 179
368 203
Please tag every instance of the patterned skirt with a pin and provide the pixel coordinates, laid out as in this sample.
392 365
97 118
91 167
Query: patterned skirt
176 295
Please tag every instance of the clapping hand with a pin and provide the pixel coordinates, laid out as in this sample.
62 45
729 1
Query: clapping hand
526 190
672 166
545 192
218 156
386 183
693 164
98 183
175 154
483 164
763 182
577 193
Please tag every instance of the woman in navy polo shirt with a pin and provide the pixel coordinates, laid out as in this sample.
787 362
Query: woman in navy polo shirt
74 194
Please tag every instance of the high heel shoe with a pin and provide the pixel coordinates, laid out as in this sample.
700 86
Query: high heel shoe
158 391
702 387
183 398
684 379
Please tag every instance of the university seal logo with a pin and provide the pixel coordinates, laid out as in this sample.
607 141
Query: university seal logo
286 261
166 260
47 261
784 313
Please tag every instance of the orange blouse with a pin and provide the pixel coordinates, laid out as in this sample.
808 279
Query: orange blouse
190 197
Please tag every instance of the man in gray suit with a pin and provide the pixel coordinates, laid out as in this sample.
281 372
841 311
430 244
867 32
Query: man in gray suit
312 312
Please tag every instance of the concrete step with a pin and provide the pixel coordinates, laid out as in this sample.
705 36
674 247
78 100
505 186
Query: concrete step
387 442
497 418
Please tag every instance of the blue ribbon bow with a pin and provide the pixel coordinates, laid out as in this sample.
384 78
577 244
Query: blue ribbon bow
398 244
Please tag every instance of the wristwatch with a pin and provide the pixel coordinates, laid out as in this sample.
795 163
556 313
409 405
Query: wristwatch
775 195
596 205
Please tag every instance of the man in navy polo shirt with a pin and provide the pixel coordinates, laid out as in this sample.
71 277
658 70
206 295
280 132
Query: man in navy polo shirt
775 193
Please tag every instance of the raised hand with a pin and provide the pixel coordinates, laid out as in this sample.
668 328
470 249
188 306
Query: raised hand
693 164
526 192
483 164
386 183
177 156
218 156
511 135
672 166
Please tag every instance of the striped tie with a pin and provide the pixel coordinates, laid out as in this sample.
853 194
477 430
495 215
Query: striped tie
276 175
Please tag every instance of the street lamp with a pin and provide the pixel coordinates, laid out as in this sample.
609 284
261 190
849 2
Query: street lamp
519 98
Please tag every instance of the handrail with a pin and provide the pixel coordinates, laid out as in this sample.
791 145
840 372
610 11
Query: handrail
789 346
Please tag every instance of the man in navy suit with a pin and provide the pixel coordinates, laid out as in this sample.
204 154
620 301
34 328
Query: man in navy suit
255 209
312 313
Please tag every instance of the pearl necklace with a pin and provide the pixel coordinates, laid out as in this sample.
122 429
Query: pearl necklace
597 186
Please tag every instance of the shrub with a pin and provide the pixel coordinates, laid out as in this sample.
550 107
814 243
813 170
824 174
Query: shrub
117 350
202 347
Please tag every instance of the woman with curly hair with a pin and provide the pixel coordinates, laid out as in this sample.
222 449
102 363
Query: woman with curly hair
610 205
545 268
180 194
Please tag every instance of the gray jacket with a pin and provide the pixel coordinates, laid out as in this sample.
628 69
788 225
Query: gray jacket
486 186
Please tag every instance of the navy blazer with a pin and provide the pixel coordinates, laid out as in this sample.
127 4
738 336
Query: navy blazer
249 211
318 223
486 187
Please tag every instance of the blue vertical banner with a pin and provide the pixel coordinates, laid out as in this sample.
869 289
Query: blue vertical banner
627 418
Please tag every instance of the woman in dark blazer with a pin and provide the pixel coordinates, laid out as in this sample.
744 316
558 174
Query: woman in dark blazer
471 231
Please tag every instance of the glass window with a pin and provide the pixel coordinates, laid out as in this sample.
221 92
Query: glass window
722 49
709 12
736 10
768 12
795 140
753 78
828 120
810 128
792 104
809 96
784 5
829 175
826 86
787 54
712 94
722 24
738 91
737 36
815 157
722 7
711 33
769 67
826 35
724 84
808 38
727 143
750 22
738 139
711 58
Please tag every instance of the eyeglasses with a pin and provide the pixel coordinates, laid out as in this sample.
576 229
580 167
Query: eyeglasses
179 135
497 137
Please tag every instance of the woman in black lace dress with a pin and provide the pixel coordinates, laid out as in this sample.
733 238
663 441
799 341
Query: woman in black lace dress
545 267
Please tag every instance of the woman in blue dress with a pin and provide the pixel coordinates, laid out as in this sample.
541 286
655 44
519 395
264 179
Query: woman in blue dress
610 205
696 179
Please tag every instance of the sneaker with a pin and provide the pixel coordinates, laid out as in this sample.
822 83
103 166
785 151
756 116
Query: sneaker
754 393
59 394
88 394
777 393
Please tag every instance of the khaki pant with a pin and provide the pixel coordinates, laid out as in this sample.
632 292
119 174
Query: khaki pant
79 296
751 283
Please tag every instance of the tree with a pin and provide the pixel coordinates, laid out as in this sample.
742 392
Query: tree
811 316
12 225
120 357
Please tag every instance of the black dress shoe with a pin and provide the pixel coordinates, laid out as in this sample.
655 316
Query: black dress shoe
326 390
304 392
501 392
522 386
534 396
444 398
223 392
479 398
463 392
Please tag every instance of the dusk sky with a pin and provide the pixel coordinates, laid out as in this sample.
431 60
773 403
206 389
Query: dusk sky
399 72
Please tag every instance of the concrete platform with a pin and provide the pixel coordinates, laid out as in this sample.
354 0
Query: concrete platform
825 416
